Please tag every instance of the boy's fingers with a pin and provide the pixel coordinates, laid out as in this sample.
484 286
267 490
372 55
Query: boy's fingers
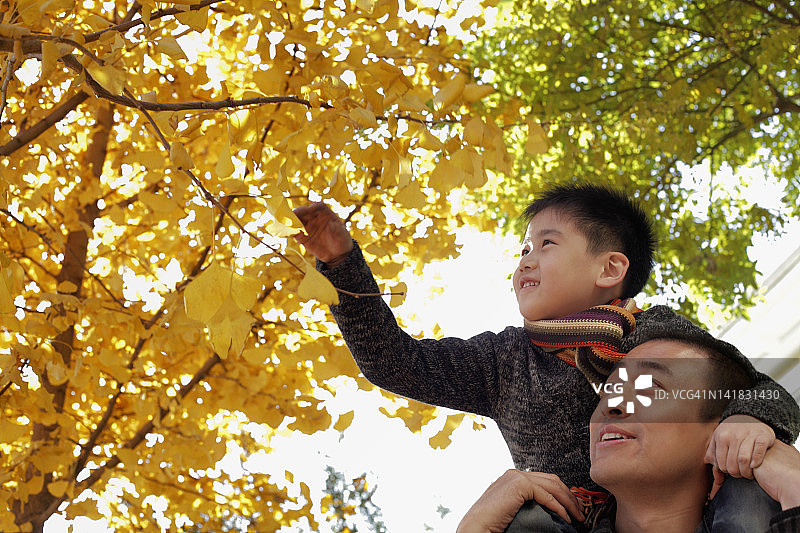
711 453
719 479
746 450
760 448
721 458
732 462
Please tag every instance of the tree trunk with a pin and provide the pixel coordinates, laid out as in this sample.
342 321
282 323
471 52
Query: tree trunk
35 510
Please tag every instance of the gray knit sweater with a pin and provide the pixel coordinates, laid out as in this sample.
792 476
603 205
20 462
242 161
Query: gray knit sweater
541 404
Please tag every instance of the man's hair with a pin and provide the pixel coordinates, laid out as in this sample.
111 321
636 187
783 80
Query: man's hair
610 221
725 376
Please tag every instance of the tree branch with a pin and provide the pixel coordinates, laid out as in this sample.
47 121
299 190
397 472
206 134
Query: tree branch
56 115
789 8
9 73
148 427
155 15
767 12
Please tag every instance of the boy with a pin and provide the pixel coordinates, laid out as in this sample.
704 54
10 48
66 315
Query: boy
585 247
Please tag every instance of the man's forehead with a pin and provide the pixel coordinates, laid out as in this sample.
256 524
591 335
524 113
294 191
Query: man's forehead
665 348
662 356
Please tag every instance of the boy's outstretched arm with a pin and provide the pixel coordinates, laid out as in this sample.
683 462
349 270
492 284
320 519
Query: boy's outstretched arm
456 373
326 236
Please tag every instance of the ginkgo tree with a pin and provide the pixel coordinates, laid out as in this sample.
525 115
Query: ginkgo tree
151 292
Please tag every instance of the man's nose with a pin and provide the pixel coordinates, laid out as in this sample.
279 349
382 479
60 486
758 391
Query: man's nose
617 405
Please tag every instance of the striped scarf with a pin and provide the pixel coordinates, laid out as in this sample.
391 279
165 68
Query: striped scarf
590 339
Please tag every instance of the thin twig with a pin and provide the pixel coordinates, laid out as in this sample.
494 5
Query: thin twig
210 197
153 16
6 80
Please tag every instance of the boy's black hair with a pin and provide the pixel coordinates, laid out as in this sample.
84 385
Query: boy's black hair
610 221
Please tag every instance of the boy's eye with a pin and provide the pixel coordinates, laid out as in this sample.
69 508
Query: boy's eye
546 242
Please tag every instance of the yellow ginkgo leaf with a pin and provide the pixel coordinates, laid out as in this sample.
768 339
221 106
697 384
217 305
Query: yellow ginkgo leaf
110 78
57 488
179 156
197 19
10 284
537 139
207 292
363 118
344 421
56 373
245 290
279 208
398 294
66 287
169 46
365 5
49 58
448 94
229 329
474 131
276 229
12 431
317 286
256 356
158 203
442 439
224 166
474 92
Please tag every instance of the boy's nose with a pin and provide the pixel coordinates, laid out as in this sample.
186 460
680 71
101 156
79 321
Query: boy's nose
527 262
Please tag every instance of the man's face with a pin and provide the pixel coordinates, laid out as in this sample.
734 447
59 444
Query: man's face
556 275
662 442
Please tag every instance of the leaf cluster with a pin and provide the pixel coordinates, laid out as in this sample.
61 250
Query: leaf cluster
157 315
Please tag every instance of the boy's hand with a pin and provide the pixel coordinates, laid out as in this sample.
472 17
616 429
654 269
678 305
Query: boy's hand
738 445
496 507
326 236
779 475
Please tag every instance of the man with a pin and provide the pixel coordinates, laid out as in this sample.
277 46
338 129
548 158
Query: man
646 454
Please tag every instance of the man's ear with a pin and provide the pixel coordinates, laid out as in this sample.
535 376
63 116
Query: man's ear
615 266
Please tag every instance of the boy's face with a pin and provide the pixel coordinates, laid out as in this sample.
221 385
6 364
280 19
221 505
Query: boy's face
557 276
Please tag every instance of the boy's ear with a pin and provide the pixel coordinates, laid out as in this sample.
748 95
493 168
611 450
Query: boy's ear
614 269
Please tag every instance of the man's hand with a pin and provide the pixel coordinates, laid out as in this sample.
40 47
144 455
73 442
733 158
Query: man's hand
739 444
779 475
496 508
326 236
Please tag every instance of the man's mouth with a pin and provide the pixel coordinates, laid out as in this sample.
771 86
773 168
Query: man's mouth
615 436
